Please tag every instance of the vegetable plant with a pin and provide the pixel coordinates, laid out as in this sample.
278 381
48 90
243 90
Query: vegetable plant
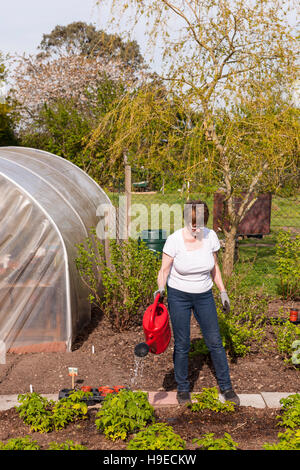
35 411
290 411
124 413
209 442
20 443
209 399
288 440
158 436
68 445
45 415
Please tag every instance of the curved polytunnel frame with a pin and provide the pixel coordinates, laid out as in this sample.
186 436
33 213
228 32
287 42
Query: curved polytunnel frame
47 206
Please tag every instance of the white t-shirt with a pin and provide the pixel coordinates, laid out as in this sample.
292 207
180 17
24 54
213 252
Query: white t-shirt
190 271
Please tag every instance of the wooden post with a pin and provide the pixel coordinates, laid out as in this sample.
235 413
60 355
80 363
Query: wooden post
127 195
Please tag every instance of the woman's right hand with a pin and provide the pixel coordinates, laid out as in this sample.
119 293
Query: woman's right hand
159 291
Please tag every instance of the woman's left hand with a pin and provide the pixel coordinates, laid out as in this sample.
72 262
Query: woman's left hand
225 301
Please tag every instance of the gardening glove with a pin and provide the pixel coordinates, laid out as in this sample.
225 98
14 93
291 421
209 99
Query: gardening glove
225 301
159 291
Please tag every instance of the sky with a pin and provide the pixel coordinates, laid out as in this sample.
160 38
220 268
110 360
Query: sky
23 22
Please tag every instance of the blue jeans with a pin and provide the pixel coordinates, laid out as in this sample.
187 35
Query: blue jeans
180 308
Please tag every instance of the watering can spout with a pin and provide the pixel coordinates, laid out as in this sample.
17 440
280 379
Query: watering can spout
141 349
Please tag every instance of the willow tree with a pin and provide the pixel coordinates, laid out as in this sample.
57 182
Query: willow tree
234 63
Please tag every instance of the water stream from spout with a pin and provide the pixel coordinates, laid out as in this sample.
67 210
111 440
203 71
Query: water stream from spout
138 370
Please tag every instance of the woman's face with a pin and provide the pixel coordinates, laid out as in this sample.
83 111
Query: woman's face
194 219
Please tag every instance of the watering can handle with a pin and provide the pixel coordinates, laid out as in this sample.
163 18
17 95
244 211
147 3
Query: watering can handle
154 307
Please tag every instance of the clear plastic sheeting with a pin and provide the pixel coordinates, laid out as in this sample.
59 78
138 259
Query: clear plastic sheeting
47 206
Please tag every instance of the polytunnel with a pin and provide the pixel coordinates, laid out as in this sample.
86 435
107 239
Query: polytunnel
47 206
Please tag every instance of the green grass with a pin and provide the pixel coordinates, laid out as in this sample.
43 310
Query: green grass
257 266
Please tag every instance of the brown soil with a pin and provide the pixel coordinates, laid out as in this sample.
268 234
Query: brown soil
113 363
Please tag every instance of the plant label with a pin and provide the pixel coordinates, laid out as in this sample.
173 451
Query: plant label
73 371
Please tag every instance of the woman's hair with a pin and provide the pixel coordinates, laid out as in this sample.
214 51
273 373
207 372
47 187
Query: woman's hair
194 203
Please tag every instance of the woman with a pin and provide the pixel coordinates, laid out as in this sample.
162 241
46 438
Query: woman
189 268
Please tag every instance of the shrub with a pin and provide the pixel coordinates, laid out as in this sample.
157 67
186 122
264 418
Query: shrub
209 399
208 442
288 261
158 436
124 413
128 279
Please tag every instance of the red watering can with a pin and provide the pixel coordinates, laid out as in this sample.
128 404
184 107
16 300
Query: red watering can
156 329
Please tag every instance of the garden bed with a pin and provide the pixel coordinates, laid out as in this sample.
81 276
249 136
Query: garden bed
248 426
104 357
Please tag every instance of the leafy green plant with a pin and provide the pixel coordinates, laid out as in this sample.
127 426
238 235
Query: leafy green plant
158 436
208 442
127 280
296 354
288 262
20 443
45 415
70 409
288 440
68 445
124 413
209 399
290 411
35 411
286 335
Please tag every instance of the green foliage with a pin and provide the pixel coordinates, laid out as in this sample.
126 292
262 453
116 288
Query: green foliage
158 436
82 38
286 335
20 443
288 262
242 329
27 443
208 442
7 135
288 440
70 409
208 399
35 411
296 354
45 415
65 126
68 445
127 280
124 413
290 411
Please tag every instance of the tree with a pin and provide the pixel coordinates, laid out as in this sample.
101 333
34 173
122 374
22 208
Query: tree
233 62
61 93
7 135
79 38
76 59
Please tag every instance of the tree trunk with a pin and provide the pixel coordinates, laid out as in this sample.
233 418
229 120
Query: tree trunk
229 252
